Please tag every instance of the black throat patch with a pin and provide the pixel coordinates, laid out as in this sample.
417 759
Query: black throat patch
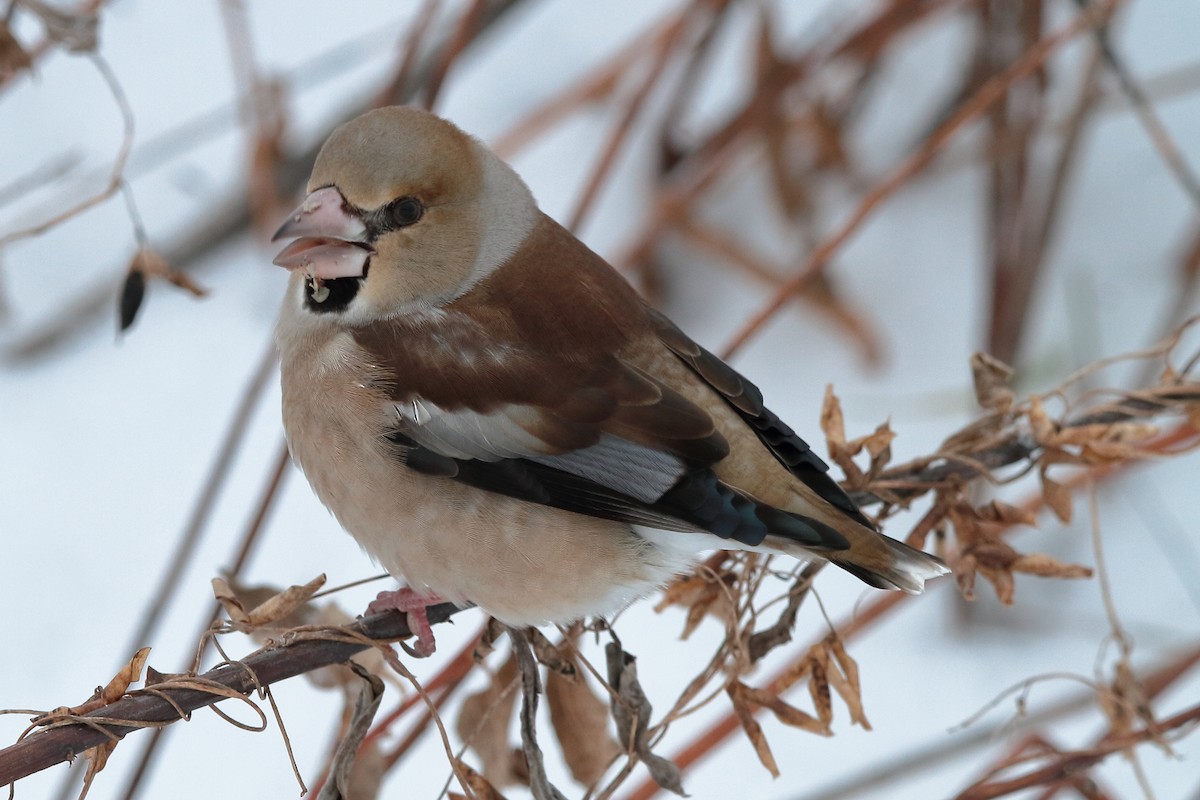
335 294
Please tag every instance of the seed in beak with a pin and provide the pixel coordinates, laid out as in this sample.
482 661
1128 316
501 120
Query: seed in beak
319 290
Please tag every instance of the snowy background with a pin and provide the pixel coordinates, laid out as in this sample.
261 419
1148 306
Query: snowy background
108 438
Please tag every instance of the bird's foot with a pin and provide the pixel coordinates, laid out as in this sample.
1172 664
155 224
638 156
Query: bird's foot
415 605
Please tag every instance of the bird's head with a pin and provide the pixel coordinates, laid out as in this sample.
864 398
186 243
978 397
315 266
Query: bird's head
405 212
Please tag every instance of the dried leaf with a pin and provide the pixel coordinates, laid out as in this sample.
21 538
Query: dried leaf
631 711
878 446
486 645
580 720
13 57
276 607
1057 497
833 424
1002 582
764 641
844 680
991 378
754 732
341 784
1045 430
484 720
965 569
284 603
818 685
1046 566
480 788
539 782
97 758
229 601
130 674
783 711
548 655
1100 452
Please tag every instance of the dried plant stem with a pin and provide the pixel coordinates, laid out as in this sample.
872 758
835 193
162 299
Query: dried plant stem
990 93
1066 765
624 125
1170 153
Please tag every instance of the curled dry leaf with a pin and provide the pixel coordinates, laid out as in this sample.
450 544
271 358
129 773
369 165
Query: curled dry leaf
130 674
548 654
779 633
754 732
580 720
343 783
1041 564
113 691
746 699
484 720
269 611
1057 497
992 378
486 645
998 561
878 445
833 425
631 712
97 758
844 679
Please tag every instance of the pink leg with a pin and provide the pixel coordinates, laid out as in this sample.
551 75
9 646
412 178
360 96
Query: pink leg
414 605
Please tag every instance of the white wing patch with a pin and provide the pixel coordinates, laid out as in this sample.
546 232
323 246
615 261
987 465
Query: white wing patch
619 464
466 433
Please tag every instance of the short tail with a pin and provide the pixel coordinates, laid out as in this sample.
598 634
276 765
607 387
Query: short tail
897 567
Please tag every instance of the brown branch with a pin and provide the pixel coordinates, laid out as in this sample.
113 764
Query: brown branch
161 704
1067 765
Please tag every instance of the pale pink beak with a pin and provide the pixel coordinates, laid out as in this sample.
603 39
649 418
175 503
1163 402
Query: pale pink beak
330 240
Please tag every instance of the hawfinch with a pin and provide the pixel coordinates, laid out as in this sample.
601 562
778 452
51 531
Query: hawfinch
498 417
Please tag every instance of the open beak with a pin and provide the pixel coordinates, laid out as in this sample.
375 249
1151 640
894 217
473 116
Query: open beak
330 241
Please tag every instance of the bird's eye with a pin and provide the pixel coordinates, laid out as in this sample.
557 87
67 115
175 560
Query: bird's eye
405 211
